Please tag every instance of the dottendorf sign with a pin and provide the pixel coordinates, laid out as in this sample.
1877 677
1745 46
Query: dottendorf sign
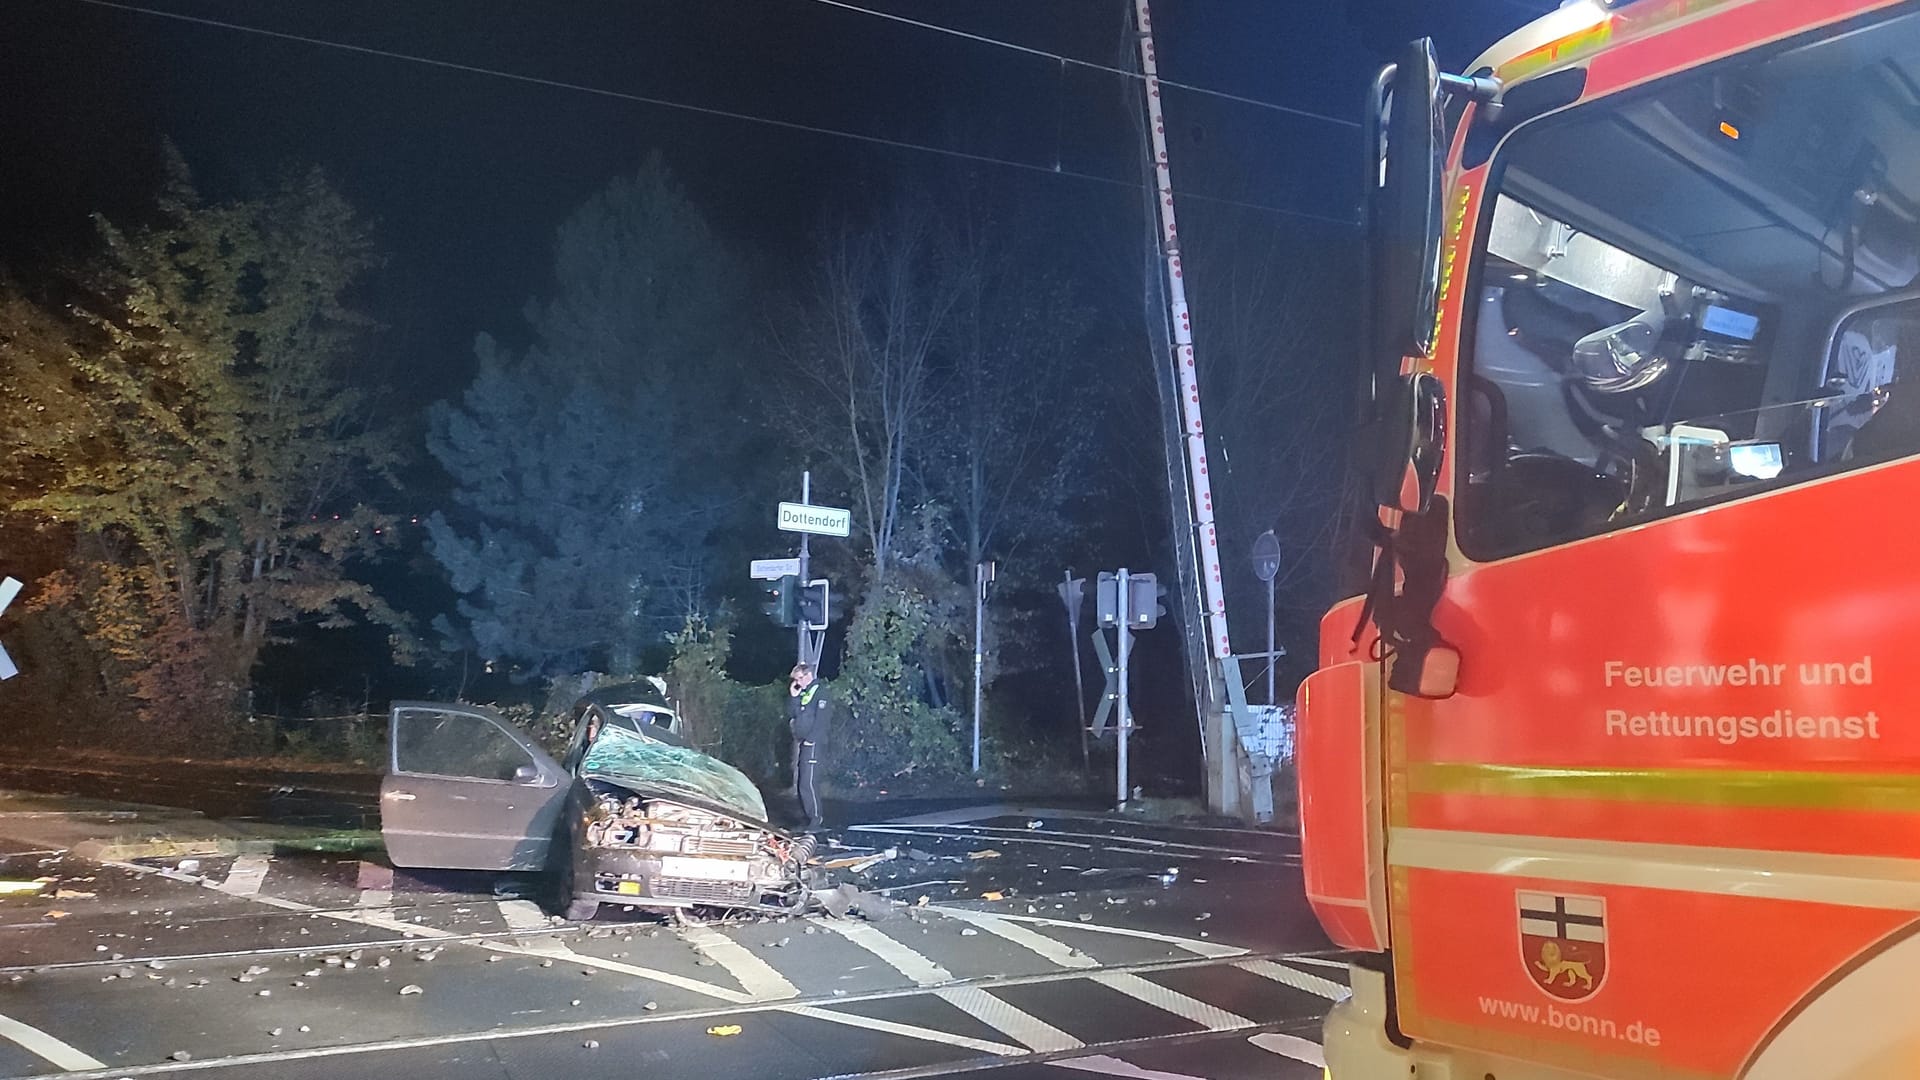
819 520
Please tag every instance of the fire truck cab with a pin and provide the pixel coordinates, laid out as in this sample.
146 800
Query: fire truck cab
1616 770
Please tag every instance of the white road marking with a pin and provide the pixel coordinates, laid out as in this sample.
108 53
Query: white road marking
1056 952
1023 1027
32 1039
1318 961
921 970
1210 949
523 915
872 1023
1299 980
1291 1046
756 975
246 876
1212 1017
557 950
1112 1066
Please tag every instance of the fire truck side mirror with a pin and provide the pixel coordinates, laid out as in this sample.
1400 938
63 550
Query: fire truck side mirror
1411 443
1406 129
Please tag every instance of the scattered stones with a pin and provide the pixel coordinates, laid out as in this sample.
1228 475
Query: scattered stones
264 993
180 1055
276 1032
575 1003
412 988
651 1006
305 1028
383 962
546 963
968 931
494 959
591 1044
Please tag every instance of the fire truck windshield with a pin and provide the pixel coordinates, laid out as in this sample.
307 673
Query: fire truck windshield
1695 292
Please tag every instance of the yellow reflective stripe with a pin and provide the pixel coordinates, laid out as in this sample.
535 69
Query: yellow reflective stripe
1698 787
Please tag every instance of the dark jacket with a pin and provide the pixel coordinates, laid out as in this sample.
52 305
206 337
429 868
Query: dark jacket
807 714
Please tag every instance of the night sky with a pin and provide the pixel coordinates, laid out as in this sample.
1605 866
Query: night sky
467 175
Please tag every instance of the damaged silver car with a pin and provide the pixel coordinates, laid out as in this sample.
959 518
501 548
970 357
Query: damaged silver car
633 816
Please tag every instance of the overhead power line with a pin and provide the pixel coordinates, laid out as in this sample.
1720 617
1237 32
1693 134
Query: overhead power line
703 110
1111 70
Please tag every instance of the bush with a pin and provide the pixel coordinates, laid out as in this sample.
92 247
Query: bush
739 723
884 729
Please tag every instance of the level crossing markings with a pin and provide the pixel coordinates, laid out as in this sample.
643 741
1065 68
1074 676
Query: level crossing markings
1299 980
1021 1026
1108 1065
1211 1017
1319 961
1103 840
909 1031
35 1041
1290 1046
921 970
1210 949
1055 952
375 883
756 975
246 876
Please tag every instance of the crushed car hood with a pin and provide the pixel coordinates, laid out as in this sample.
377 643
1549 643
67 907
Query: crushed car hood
651 767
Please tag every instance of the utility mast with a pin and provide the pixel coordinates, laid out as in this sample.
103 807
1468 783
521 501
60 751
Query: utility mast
1227 726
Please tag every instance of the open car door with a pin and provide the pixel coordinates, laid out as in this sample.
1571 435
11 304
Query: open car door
464 790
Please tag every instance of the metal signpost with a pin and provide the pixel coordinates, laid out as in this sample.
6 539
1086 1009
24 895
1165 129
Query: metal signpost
1073 593
809 521
982 577
1266 563
9 588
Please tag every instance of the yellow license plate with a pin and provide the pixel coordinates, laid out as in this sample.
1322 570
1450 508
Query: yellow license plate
629 888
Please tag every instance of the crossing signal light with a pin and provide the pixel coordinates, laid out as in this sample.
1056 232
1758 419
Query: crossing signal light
782 601
818 605
1145 601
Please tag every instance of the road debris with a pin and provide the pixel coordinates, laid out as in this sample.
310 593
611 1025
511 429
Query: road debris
406 991
993 894
983 853
721 1031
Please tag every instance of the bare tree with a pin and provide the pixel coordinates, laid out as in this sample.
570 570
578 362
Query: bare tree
863 355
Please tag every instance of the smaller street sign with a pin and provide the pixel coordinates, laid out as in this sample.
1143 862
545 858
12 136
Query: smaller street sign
819 520
774 569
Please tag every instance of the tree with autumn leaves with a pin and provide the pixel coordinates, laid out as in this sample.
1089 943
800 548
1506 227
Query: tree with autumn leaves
184 417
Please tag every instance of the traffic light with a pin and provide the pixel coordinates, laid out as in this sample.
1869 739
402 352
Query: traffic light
1145 606
782 603
1106 600
816 604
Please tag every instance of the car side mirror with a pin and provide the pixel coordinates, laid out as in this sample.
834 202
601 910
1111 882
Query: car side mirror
526 774
1411 443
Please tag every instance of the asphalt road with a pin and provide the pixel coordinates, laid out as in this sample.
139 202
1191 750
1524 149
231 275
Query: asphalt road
1025 946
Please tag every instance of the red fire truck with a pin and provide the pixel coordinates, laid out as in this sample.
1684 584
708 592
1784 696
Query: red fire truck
1615 770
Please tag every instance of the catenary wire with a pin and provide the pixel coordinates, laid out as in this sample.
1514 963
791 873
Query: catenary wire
1031 51
705 110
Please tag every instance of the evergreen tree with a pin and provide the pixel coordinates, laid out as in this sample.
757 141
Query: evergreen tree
585 464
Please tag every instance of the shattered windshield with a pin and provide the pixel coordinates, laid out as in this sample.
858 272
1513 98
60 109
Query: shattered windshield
626 758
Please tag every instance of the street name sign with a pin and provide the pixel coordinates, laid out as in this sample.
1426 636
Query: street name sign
774 569
819 520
